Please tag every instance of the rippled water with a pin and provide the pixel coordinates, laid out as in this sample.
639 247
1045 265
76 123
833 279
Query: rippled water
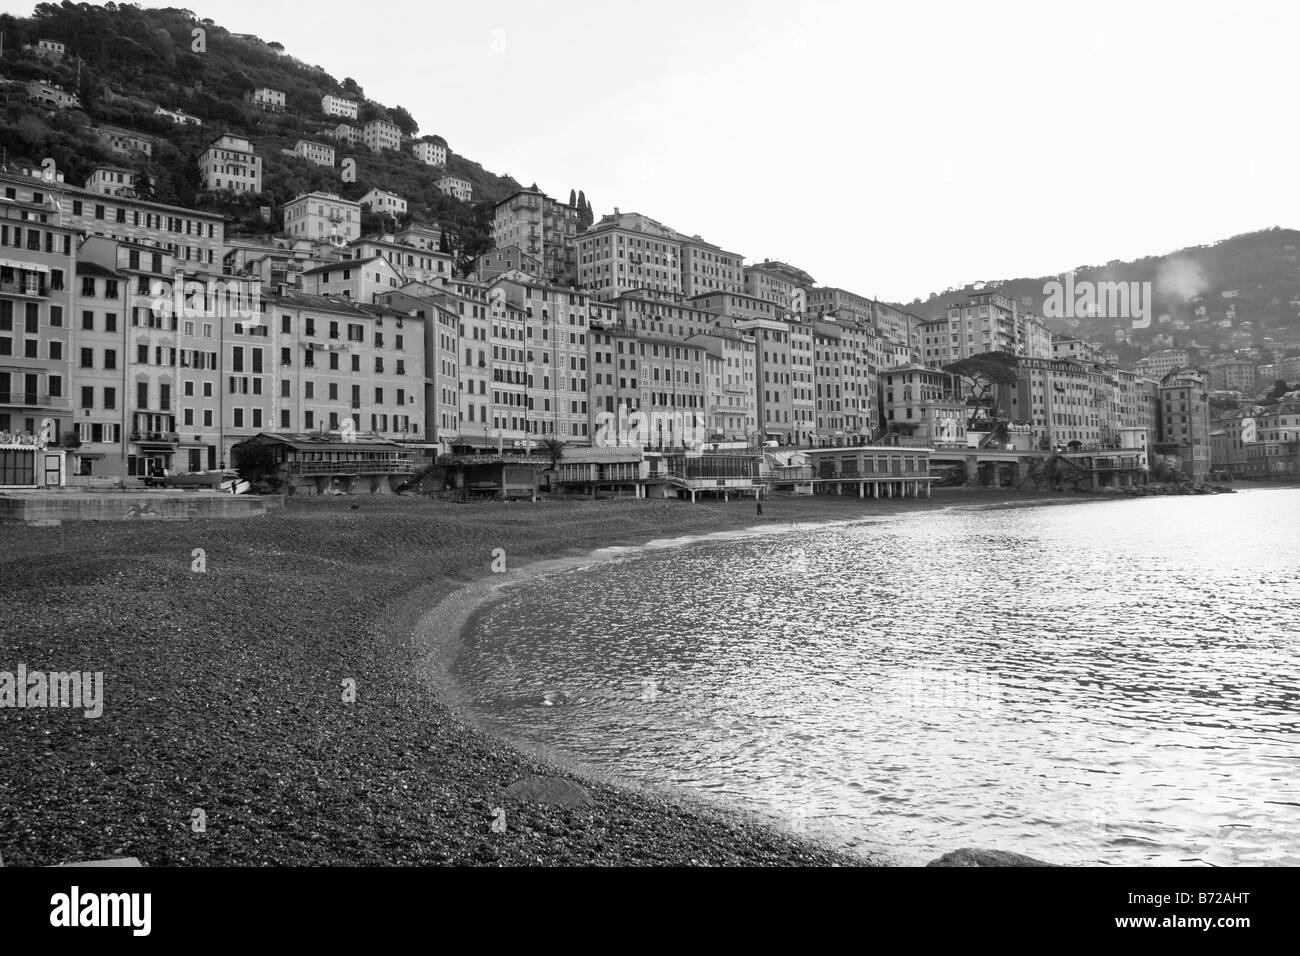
1109 682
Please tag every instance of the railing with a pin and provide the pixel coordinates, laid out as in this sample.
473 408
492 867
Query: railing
329 469
171 438
35 400
34 289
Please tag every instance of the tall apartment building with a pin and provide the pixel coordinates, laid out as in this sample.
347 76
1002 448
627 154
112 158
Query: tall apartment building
381 134
195 238
412 263
542 228
651 313
1161 363
627 251
1232 375
845 382
732 409
988 322
37 270
323 216
231 163
1062 402
709 268
1185 422
921 404
779 283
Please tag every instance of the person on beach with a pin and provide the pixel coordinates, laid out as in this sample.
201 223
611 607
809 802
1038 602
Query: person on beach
759 505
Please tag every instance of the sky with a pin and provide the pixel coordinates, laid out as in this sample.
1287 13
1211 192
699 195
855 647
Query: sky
891 149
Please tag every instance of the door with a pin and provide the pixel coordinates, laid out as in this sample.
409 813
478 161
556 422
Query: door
53 471
196 459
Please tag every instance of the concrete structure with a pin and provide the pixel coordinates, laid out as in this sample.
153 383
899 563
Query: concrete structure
922 407
1161 363
231 163
323 216
709 268
506 259
316 463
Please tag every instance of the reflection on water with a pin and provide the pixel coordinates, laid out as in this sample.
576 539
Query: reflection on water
1109 682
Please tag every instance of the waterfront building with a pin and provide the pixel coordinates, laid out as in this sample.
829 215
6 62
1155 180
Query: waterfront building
732 410
1185 422
922 408
871 471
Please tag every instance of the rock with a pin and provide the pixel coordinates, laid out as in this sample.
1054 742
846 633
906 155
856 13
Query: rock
970 857
555 791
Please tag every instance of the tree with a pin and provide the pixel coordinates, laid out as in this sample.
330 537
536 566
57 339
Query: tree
404 120
1280 388
573 199
144 185
554 449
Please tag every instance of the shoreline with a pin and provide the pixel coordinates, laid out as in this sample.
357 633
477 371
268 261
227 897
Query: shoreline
223 688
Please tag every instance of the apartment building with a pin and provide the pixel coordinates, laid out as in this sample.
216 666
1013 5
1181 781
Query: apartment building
336 361
318 153
736 305
646 311
37 270
1162 363
265 98
627 251
339 106
178 117
51 96
413 264
988 322
1185 421
348 135
492 264
542 228
922 406
732 408
456 187
380 134
384 203
1062 402
431 150
1232 375
111 181
231 163
709 268
358 280
441 397
778 283
124 142
323 216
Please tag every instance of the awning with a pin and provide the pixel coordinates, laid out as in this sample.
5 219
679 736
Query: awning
29 266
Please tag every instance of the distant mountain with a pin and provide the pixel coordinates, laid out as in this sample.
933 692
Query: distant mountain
123 61
1241 292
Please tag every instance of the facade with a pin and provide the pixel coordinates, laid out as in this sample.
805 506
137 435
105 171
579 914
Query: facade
432 151
382 202
51 95
988 322
358 280
410 262
1159 364
1061 402
349 135
506 259
111 181
629 251
332 105
921 405
872 471
37 272
265 98
778 283
461 189
323 216
380 135
709 268
314 152
542 228
1185 422
195 238
732 408
179 117
124 142
231 163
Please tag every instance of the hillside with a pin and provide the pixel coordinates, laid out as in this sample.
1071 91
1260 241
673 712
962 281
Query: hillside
123 62
1242 292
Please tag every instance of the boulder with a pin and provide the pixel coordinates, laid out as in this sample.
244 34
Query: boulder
553 791
970 857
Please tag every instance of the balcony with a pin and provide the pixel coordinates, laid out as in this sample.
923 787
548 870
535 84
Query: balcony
31 289
161 438
396 465
36 400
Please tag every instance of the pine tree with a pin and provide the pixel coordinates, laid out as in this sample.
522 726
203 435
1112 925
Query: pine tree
573 199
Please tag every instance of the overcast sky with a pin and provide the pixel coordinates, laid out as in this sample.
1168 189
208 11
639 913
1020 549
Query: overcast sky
892 149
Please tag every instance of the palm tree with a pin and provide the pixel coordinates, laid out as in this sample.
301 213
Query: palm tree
554 449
